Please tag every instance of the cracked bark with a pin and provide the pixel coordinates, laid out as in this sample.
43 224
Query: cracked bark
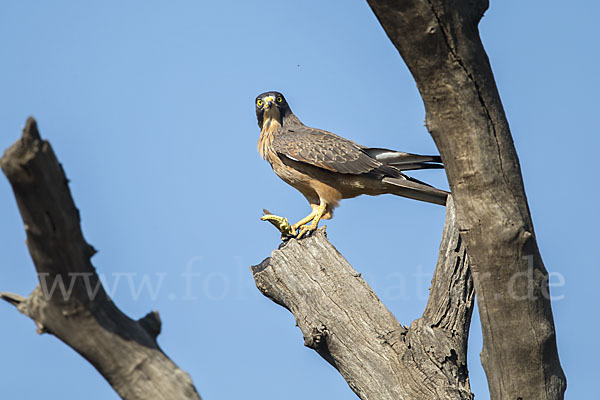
343 320
439 41
123 350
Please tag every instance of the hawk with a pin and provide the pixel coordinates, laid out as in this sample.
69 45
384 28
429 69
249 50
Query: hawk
326 168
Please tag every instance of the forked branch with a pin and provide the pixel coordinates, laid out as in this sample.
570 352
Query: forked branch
439 41
345 322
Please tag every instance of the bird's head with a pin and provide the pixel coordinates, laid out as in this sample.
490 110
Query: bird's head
271 105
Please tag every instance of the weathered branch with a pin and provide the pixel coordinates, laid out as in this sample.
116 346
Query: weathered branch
123 350
343 320
439 41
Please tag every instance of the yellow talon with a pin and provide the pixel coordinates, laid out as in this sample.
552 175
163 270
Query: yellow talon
287 230
303 231
314 217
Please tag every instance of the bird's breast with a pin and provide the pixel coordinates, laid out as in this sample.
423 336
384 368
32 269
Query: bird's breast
271 127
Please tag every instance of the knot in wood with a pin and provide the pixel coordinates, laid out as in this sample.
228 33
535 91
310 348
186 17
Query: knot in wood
317 339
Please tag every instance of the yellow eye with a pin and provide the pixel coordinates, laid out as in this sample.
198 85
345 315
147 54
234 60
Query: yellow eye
279 99
259 102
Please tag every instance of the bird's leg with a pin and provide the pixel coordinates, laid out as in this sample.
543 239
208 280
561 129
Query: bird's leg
315 216
305 220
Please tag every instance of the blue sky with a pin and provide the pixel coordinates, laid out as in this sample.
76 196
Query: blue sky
149 106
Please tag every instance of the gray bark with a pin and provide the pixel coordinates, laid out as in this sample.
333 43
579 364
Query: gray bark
439 41
343 320
123 350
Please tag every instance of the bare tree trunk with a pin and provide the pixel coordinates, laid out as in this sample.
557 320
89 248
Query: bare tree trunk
123 350
343 320
439 41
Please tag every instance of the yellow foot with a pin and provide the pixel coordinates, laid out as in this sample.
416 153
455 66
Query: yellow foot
304 230
300 228
308 229
313 218
280 223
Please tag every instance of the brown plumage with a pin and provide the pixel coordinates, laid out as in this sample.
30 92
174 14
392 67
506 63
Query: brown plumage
326 168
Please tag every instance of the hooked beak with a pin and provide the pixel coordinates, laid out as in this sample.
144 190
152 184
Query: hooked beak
269 101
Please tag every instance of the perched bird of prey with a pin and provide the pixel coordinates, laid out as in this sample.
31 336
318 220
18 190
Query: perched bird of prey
326 168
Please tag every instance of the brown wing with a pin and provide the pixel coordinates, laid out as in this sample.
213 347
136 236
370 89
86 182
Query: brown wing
325 150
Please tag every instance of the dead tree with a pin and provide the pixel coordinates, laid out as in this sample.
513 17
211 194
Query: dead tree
343 320
123 350
341 317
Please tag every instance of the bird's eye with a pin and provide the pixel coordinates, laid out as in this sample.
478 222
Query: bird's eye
279 99
259 102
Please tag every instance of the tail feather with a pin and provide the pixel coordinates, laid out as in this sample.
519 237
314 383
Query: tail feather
404 161
417 165
417 190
